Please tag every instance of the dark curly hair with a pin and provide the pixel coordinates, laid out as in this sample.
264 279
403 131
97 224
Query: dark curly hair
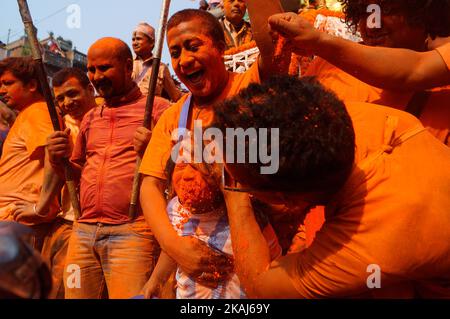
432 15
316 136
24 69
210 24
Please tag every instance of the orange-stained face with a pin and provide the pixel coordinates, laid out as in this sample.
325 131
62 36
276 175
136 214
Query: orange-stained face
110 75
73 99
195 187
234 10
16 94
142 44
197 60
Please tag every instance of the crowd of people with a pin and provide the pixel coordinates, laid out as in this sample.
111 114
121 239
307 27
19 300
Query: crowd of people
362 139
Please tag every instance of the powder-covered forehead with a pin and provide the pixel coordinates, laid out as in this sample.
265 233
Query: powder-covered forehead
210 26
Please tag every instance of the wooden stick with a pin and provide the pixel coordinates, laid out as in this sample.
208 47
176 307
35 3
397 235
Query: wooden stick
42 77
150 101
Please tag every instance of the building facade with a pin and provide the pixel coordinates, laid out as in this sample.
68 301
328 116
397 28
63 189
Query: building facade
57 53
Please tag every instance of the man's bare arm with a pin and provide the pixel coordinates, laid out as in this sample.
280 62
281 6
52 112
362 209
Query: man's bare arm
193 256
260 277
153 206
51 188
164 268
386 68
259 14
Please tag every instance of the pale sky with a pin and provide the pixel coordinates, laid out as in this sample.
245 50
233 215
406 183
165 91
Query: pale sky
99 18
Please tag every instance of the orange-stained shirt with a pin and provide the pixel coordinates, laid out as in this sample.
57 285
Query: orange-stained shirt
392 216
435 115
349 88
161 143
22 161
444 51
104 149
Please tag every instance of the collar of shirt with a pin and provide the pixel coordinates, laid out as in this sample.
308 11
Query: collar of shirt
148 61
232 29
131 96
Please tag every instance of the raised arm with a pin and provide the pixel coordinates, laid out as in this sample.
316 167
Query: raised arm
387 68
259 14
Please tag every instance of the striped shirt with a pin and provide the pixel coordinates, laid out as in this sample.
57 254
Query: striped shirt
213 229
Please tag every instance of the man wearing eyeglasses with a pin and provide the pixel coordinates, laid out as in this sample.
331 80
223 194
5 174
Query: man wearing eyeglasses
383 179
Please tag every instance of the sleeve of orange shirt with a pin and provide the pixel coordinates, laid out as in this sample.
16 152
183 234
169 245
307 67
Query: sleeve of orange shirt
344 85
160 146
159 107
444 51
36 126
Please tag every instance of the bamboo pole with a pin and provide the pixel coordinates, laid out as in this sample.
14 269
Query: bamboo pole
42 77
150 100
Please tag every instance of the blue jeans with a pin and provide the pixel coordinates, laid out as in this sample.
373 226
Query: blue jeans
54 253
109 260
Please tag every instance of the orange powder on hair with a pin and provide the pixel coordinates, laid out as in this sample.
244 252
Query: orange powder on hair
194 191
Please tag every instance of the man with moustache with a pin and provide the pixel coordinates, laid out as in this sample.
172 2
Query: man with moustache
116 255
405 26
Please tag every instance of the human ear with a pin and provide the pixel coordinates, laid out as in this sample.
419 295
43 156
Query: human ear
33 86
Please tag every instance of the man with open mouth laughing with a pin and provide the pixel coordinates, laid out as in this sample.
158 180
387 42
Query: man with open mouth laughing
197 44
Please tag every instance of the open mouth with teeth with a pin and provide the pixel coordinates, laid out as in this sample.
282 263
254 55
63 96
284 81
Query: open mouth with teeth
195 77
